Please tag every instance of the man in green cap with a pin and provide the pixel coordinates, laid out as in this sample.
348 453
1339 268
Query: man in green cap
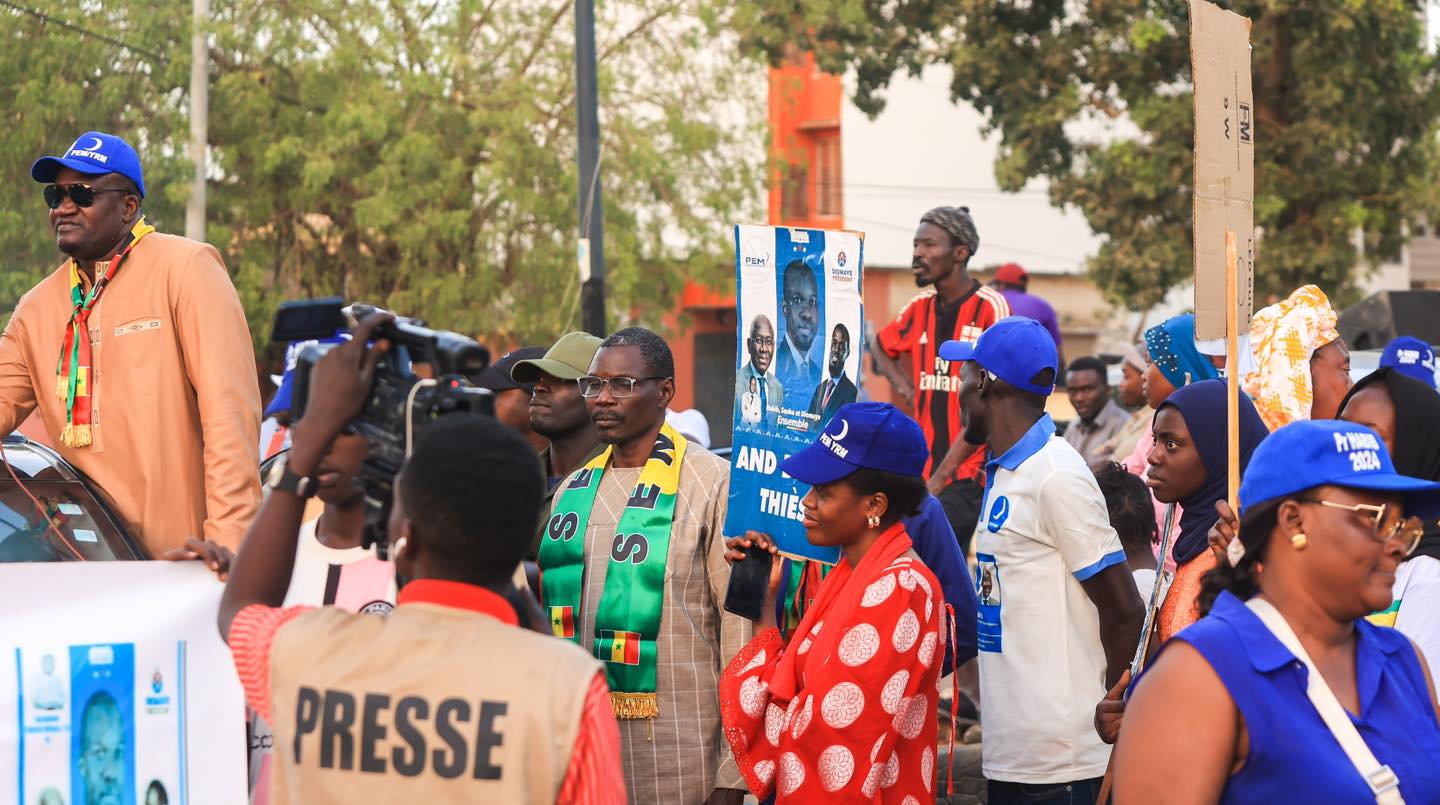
558 412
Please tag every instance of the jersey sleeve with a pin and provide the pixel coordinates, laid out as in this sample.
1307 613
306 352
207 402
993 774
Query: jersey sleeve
252 634
1075 520
900 335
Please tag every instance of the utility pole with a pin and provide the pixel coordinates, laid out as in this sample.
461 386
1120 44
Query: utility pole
591 252
199 117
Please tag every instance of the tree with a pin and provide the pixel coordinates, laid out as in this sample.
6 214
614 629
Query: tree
420 155
1096 97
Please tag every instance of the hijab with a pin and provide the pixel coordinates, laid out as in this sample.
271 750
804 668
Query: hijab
1203 407
1172 349
1417 435
1283 338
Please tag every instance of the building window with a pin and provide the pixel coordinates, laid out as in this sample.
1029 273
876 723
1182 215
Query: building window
827 175
794 193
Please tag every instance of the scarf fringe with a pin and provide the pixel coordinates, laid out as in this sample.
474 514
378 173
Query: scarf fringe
62 387
76 435
634 705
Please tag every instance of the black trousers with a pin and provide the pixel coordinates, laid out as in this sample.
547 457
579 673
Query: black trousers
1079 792
961 500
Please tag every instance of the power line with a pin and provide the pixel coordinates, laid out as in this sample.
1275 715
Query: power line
49 20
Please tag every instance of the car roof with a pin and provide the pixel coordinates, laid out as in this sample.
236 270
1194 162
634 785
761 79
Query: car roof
32 460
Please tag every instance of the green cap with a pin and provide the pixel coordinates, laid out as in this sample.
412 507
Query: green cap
568 359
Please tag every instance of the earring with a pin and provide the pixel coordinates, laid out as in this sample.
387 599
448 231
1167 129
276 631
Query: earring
1299 540
872 521
397 548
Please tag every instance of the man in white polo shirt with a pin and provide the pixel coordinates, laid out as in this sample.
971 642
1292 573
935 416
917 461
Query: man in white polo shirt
1059 616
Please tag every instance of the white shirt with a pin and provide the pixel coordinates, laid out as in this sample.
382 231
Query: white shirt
1043 529
1417 591
1145 583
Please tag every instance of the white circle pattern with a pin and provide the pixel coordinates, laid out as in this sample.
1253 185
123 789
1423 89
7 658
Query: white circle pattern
842 705
859 645
891 772
875 750
872 780
774 724
792 773
907 579
765 769
837 766
893 691
878 591
804 646
927 648
907 631
910 721
927 768
752 696
909 800
758 661
923 584
802 718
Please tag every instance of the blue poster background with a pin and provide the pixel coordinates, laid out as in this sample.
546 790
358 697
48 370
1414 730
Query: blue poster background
800 326
106 673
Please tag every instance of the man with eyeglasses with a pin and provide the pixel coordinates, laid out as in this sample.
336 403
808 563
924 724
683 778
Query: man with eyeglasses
633 569
758 392
136 353
798 364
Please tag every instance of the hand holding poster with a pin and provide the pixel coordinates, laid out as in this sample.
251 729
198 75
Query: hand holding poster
800 325
115 686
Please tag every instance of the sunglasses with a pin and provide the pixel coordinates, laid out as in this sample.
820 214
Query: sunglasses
1390 522
82 194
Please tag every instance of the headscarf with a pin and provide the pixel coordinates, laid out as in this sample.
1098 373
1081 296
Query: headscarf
1283 337
956 222
1172 349
1134 359
1417 435
1203 407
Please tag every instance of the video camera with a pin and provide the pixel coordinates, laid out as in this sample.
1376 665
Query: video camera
401 403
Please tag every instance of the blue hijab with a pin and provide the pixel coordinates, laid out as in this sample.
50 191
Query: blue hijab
1203 406
1172 349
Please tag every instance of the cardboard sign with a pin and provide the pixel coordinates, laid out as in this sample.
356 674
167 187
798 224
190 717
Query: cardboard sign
1224 163
801 334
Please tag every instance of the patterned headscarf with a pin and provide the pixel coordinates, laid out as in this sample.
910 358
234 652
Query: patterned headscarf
1171 344
956 221
1283 337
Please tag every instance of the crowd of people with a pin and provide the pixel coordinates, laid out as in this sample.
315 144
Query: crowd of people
554 579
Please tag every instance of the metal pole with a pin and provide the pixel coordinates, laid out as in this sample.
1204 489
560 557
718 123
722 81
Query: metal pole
592 229
199 118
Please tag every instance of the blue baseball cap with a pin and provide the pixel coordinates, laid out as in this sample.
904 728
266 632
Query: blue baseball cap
1014 349
93 153
1411 357
1311 453
862 435
280 403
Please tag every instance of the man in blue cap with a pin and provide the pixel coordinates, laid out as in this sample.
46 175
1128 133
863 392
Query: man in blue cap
1059 615
136 353
1410 356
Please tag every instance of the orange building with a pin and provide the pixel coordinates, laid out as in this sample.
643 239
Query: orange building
804 190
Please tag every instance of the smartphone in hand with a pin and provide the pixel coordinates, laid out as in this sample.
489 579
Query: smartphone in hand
749 582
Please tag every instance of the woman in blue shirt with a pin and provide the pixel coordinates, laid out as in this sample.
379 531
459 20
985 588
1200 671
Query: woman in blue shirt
1224 715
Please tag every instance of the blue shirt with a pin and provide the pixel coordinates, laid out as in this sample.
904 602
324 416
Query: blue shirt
1293 757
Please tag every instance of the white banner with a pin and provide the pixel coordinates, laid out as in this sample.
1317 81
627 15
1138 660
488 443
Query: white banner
115 687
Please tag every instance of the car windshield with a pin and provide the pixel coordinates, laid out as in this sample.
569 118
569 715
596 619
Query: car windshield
85 532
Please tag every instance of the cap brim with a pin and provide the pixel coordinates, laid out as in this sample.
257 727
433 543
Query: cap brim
529 371
816 465
281 401
957 351
46 169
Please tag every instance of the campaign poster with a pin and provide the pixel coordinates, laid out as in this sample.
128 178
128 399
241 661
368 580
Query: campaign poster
115 688
801 336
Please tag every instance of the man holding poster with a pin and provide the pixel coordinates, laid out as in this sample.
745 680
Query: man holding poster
957 308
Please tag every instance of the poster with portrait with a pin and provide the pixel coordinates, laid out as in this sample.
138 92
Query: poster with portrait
801 336
115 687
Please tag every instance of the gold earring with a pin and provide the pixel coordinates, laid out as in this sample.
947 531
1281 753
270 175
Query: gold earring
872 521
1299 540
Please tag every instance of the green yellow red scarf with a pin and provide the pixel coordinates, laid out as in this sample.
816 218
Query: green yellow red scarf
74 383
627 619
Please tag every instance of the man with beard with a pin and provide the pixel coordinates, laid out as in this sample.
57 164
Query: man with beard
838 390
755 378
633 570
799 362
956 308
558 412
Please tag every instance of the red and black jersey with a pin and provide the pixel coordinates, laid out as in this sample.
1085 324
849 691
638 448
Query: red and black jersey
922 326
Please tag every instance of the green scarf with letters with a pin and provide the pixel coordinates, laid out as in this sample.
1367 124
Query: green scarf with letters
627 620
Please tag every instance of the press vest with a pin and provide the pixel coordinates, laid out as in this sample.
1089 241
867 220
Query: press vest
431 704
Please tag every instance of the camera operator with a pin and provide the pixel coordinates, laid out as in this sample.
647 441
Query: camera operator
446 699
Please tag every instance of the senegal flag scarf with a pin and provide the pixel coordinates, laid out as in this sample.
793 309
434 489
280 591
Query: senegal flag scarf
73 376
627 620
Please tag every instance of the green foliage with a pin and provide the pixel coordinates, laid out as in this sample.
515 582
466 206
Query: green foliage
1096 97
414 154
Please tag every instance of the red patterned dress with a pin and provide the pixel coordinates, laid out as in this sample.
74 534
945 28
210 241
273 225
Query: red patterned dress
847 714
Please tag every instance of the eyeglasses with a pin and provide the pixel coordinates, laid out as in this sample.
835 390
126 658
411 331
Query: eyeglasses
620 387
82 194
763 342
1390 522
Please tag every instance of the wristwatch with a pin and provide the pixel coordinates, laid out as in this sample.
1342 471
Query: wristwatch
283 479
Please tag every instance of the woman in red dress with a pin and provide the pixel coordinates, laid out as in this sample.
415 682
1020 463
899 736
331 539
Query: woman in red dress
848 712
